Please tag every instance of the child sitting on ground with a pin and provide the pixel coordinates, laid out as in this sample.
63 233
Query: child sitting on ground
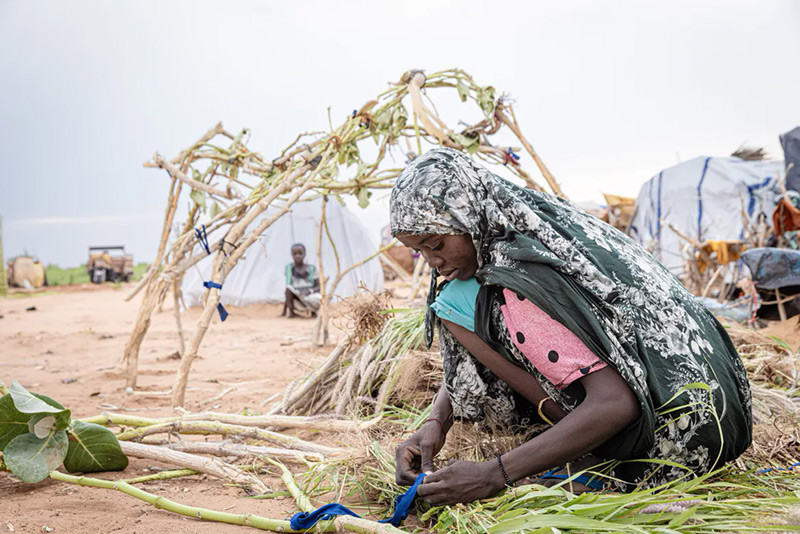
302 285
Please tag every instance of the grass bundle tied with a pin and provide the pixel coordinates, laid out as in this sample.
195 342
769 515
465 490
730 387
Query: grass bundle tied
358 379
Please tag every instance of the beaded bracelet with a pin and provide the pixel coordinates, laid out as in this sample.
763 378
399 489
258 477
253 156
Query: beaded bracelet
503 470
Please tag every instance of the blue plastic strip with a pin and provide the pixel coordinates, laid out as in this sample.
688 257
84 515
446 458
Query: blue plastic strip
223 313
700 201
652 208
402 507
751 204
658 225
751 189
591 482
768 469
306 520
202 237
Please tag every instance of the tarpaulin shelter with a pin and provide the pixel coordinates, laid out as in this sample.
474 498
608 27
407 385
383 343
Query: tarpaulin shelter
260 276
703 198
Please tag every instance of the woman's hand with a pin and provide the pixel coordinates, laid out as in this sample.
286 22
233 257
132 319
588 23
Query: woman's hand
415 455
462 482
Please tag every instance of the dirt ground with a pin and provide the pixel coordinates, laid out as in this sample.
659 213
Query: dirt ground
69 346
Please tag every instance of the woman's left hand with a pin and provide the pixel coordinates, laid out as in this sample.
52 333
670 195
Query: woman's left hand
462 481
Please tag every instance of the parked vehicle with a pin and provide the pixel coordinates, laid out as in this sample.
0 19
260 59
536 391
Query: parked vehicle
109 264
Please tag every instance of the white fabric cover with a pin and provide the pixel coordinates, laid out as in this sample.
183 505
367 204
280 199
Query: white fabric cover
703 199
260 275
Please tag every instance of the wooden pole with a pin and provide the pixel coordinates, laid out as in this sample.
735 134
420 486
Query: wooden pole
131 354
222 266
551 181
320 334
176 303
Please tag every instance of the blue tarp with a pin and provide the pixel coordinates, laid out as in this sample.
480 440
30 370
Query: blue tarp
773 268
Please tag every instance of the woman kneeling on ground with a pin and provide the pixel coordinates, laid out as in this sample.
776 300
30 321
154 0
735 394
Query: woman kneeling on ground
549 314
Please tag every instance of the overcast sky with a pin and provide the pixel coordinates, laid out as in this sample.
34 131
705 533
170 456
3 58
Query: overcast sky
609 93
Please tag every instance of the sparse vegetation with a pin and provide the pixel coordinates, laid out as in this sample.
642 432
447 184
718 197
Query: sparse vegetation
58 276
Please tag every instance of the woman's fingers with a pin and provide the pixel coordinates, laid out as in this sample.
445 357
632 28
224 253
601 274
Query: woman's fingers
440 475
426 456
433 492
406 464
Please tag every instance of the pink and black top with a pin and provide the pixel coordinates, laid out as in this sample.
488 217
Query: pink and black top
551 348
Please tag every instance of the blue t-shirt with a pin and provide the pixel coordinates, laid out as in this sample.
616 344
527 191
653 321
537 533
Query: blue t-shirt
456 302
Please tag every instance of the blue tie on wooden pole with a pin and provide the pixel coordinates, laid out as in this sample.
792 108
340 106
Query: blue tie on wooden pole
223 313
402 506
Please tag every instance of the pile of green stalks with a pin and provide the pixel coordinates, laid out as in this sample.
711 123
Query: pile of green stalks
719 502
726 500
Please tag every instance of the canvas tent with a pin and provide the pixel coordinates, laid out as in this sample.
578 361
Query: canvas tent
703 198
260 275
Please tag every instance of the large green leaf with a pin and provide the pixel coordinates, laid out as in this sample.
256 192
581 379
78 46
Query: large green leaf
27 402
93 448
12 421
31 458
34 403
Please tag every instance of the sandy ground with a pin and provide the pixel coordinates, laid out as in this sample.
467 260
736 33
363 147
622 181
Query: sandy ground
70 348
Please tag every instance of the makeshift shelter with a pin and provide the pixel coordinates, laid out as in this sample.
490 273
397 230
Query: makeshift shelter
260 276
231 186
705 199
24 271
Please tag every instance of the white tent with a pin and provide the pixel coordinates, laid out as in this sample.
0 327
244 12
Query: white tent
703 198
260 276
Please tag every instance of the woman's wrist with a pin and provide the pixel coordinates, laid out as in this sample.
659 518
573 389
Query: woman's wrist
438 422
494 475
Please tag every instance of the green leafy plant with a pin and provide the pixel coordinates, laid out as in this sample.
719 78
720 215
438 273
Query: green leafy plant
37 435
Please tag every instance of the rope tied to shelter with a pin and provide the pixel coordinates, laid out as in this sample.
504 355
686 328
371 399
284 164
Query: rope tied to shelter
402 507
202 237
223 313
510 157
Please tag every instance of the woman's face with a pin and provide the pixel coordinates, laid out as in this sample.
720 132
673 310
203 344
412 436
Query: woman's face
453 256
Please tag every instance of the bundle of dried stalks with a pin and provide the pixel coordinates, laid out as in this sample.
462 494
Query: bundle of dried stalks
364 315
419 377
750 153
357 381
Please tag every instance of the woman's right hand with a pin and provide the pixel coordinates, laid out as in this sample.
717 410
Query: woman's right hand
415 455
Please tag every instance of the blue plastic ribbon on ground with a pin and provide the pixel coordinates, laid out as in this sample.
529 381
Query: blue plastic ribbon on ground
223 313
202 237
402 507
770 469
